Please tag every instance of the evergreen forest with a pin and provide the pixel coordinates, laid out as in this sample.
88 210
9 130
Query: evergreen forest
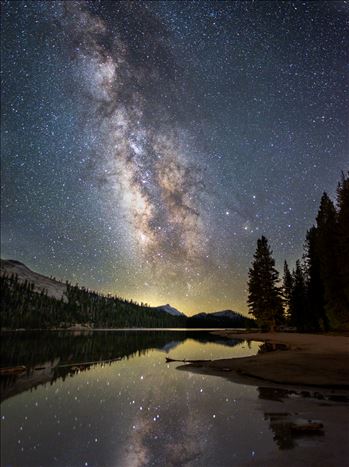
314 296
22 307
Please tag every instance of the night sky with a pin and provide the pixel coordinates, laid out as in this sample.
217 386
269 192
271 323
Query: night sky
147 145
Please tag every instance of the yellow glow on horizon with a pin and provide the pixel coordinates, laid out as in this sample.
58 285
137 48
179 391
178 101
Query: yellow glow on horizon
186 305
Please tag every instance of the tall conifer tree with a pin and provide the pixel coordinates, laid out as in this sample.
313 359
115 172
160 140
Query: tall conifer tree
340 316
326 251
287 286
264 294
298 302
317 318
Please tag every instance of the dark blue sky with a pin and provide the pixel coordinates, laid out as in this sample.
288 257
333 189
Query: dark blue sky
147 145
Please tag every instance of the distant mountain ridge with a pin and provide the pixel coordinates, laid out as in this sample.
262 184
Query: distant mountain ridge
229 314
218 319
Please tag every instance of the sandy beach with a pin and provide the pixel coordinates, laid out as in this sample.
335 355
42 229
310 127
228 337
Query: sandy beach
310 359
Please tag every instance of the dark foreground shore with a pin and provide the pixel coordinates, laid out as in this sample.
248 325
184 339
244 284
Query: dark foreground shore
308 381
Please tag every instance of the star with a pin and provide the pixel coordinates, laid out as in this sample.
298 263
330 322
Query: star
127 126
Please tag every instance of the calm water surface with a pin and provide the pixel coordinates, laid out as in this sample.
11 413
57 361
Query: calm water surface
77 405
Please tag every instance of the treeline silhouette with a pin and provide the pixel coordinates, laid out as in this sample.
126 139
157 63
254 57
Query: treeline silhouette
315 295
23 307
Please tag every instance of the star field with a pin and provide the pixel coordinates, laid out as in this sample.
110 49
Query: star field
147 145
136 411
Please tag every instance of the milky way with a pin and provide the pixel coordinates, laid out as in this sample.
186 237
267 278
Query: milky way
148 167
147 145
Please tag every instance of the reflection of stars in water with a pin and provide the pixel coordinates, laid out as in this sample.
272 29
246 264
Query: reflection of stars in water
110 403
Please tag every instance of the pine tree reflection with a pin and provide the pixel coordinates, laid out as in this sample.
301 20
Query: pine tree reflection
31 359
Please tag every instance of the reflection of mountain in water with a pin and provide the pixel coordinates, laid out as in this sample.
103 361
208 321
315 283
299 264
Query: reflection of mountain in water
170 346
47 356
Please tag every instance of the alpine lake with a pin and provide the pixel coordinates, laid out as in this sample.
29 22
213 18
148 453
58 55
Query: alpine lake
110 398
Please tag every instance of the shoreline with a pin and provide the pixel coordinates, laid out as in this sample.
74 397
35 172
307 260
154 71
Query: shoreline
318 360
86 329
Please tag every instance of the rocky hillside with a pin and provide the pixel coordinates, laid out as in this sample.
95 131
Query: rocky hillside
53 287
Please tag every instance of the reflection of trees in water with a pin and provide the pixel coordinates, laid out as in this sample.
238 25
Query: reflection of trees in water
271 347
279 394
287 427
283 435
31 349
48 356
274 394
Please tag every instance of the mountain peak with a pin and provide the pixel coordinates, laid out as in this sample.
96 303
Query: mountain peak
230 314
169 309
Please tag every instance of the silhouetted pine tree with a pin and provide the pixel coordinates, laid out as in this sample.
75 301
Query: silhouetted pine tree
287 286
264 294
339 309
298 300
326 247
317 318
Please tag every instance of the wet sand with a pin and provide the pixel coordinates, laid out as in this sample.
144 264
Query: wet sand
310 359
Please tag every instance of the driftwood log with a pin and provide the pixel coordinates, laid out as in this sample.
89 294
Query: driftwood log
14 370
170 360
